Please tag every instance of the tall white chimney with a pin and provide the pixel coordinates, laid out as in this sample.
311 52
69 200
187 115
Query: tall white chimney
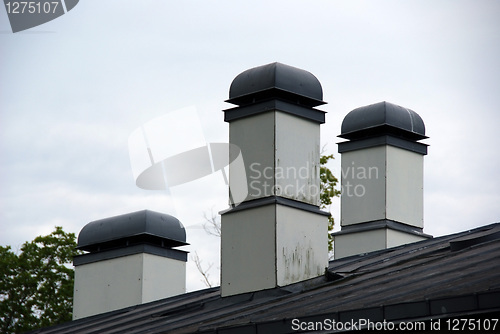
381 178
277 235
131 260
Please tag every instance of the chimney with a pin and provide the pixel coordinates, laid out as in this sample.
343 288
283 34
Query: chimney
131 260
382 179
277 235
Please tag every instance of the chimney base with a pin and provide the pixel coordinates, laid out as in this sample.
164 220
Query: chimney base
115 283
372 236
270 245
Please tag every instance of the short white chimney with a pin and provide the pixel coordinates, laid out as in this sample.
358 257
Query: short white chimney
381 178
131 260
277 235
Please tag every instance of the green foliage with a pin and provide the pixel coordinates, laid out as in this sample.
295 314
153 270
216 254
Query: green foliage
328 191
36 285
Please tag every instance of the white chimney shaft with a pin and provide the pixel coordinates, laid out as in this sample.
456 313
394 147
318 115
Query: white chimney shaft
381 179
277 235
130 261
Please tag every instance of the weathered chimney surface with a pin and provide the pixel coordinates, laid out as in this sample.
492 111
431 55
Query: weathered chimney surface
381 178
130 260
277 235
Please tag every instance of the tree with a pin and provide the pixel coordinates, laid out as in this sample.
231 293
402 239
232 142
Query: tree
36 285
328 192
203 271
328 182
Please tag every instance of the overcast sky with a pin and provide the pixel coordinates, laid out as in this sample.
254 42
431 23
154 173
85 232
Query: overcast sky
73 90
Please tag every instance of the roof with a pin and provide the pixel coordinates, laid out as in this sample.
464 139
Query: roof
450 276
383 118
145 225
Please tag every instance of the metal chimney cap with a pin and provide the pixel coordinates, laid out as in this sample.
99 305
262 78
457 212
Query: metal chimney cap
383 118
276 80
141 227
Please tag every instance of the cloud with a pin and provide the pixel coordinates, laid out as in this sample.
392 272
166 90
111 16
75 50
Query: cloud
70 99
